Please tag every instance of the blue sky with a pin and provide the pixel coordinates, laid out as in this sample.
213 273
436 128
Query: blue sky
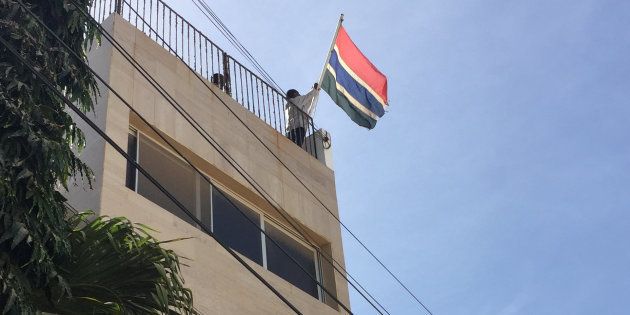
499 181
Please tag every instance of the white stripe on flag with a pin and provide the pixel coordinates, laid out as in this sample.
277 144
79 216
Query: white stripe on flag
351 99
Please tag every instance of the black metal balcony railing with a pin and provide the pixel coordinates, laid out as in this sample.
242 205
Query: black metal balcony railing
170 30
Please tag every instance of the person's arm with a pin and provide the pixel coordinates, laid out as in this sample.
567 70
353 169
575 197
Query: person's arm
308 105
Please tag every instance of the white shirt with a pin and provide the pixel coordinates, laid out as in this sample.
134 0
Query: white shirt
299 110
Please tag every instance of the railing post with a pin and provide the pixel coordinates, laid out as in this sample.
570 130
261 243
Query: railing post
314 137
118 8
226 74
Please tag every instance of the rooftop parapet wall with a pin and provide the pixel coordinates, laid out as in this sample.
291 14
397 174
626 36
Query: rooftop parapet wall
207 273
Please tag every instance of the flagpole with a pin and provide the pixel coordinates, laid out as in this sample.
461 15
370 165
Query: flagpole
332 47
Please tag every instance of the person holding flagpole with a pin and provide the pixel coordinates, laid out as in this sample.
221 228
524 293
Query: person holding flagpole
351 80
299 110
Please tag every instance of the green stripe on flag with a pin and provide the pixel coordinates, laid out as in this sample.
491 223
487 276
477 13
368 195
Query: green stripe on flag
329 84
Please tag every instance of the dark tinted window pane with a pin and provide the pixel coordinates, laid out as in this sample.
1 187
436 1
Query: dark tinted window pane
205 202
280 264
176 177
132 147
231 227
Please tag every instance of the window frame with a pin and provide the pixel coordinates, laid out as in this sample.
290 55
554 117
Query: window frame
299 240
136 134
264 217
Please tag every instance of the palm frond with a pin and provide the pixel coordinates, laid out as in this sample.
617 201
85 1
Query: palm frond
116 267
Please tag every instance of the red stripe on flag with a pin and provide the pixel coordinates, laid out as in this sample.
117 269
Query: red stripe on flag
360 65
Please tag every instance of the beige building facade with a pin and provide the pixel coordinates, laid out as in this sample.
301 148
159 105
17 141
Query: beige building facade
219 283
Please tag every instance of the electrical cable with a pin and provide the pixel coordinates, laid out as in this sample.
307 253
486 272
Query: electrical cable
209 181
141 69
380 262
245 52
276 157
257 139
264 79
319 284
223 29
234 40
218 23
111 142
363 245
236 45
235 166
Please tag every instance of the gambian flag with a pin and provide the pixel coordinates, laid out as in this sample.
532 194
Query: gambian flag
354 83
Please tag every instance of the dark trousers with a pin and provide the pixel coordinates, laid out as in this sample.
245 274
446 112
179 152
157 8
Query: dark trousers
297 135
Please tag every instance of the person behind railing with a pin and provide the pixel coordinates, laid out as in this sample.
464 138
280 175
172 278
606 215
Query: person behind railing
298 111
218 80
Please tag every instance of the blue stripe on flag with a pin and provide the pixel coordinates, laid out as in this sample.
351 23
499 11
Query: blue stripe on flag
356 90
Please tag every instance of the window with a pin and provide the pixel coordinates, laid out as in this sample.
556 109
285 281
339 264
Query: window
205 202
230 220
232 227
172 173
282 265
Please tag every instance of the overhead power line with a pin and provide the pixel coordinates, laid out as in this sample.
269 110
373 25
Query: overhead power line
306 187
380 262
345 227
126 103
250 220
194 167
199 129
248 55
218 23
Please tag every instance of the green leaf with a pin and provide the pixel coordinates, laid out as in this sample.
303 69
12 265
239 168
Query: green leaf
38 139
10 302
19 236
24 174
